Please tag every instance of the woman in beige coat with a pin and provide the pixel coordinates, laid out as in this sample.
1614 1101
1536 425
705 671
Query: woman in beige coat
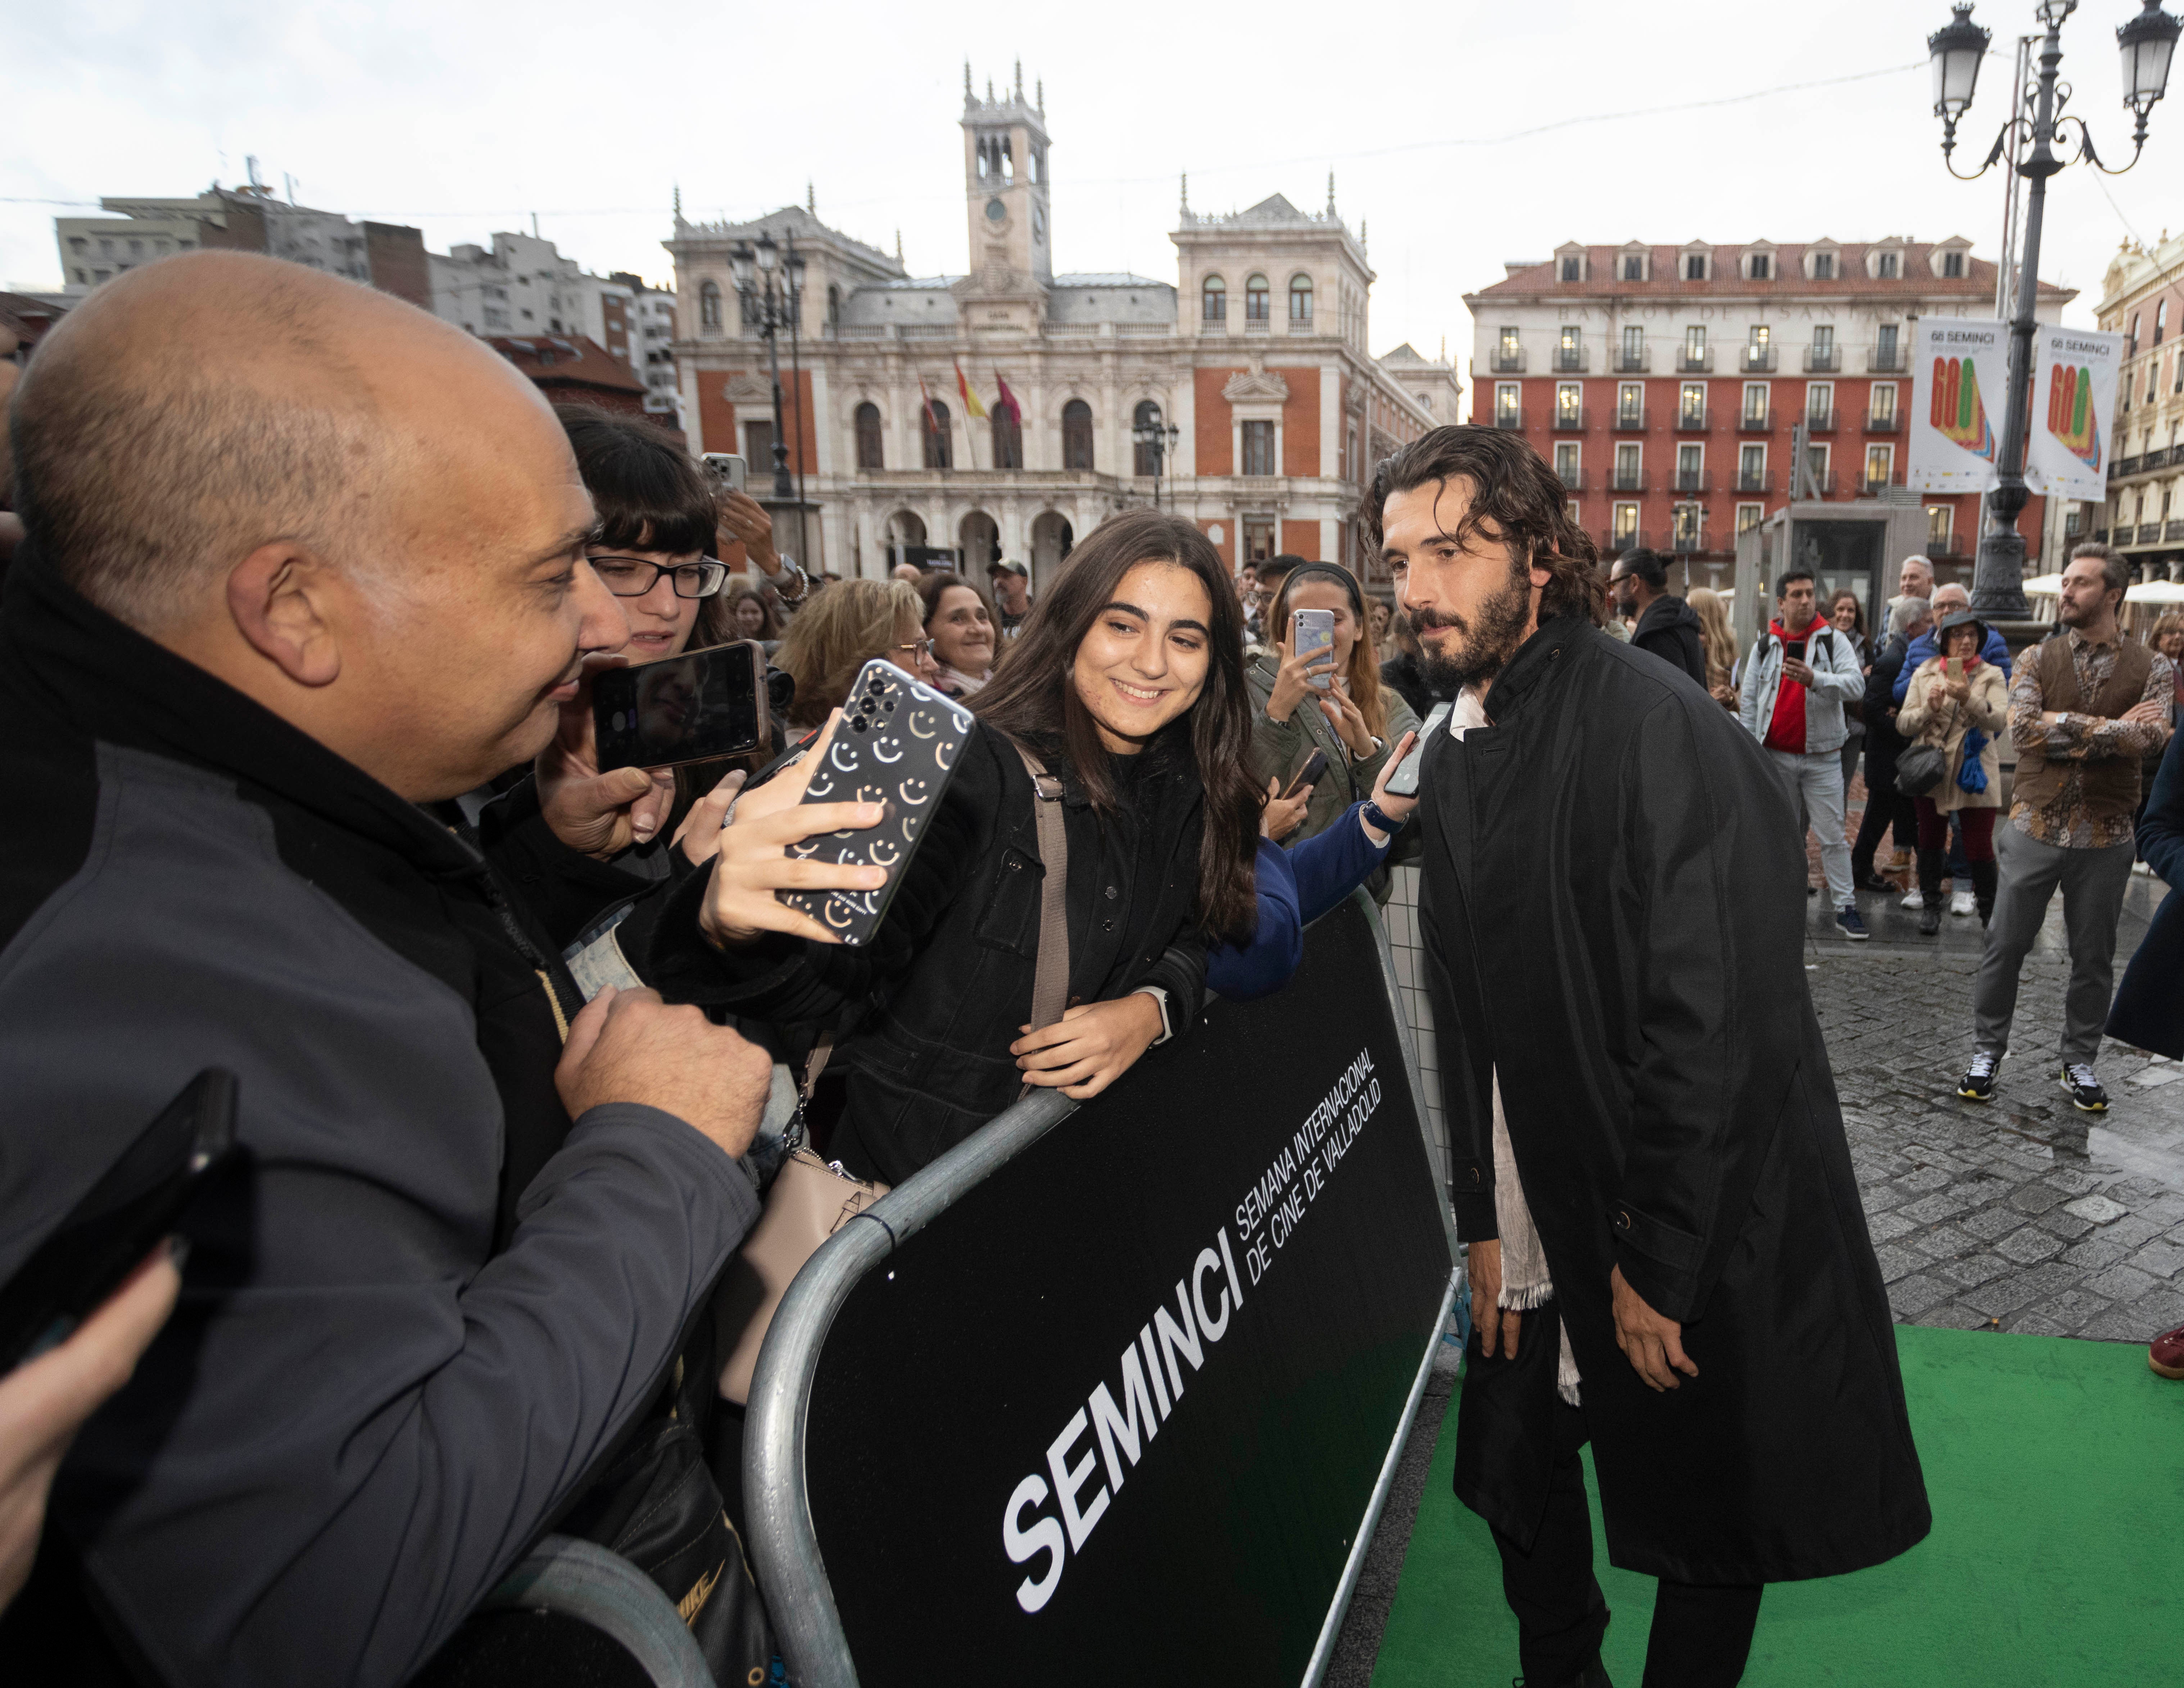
1959 703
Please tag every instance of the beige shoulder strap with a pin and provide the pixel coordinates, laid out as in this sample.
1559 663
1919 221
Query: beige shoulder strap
1049 990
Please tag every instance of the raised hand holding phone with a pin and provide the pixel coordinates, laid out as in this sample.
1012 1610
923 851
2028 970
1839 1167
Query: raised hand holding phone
1294 679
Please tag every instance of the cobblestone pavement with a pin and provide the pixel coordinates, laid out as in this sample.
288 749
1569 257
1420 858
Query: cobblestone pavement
2021 1213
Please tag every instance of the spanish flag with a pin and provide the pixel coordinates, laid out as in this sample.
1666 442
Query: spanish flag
971 404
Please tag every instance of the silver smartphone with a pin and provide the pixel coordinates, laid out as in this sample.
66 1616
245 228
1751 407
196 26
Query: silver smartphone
1404 781
725 470
1313 632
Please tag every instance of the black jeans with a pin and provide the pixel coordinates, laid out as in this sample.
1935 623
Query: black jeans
1701 1634
1885 806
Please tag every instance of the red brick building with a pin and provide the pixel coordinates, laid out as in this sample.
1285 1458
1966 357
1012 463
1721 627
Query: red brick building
571 370
1663 381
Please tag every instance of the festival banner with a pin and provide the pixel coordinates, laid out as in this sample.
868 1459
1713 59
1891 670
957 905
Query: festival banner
1960 384
2074 397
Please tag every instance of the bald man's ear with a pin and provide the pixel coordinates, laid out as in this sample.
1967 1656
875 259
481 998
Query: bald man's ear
278 596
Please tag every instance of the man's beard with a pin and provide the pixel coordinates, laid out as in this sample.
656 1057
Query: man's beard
1484 644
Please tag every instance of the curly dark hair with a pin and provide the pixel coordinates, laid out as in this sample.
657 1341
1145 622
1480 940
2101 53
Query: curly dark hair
1032 697
1514 488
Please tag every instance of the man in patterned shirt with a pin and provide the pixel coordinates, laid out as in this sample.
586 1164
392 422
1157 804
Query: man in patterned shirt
2087 706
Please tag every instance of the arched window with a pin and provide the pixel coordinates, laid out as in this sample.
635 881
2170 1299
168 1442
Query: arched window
1148 451
1216 295
1008 437
1300 298
833 304
1255 299
1077 435
868 436
708 307
938 440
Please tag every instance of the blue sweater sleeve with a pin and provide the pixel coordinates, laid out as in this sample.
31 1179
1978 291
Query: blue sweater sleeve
1997 652
1264 965
1331 864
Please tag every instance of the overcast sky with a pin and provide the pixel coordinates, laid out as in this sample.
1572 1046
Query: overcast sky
463 117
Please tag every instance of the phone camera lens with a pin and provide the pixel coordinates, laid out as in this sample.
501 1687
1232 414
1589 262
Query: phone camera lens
888 706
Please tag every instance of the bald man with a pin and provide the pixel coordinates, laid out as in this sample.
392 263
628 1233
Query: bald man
300 561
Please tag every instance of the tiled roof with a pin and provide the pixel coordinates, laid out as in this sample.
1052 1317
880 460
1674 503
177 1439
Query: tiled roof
565 359
1603 272
1109 278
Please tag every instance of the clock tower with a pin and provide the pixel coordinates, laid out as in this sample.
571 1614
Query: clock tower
1005 172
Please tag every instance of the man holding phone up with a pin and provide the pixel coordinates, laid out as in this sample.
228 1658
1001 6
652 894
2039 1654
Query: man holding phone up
1797 681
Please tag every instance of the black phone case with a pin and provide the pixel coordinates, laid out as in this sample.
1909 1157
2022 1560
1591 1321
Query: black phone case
132 1206
897 745
722 702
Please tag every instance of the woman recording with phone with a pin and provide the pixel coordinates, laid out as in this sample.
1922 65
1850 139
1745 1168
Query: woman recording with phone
1127 684
1957 704
1348 715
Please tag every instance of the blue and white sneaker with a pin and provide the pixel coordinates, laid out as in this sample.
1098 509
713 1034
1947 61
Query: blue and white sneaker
1852 923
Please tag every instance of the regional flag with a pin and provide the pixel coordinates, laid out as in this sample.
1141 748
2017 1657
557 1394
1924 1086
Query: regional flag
1007 404
932 420
971 404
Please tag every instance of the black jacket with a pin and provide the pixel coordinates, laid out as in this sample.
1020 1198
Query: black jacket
1606 929
2149 1006
932 1005
431 1303
1883 742
1670 629
1403 674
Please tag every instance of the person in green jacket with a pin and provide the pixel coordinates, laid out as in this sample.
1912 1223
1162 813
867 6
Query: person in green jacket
1356 721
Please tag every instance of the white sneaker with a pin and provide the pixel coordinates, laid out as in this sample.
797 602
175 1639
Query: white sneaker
1915 899
1963 903
2142 868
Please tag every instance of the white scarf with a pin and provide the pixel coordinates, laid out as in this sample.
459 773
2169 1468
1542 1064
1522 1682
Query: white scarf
1526 1282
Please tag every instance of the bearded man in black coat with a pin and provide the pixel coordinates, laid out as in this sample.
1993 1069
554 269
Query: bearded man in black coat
1668 1254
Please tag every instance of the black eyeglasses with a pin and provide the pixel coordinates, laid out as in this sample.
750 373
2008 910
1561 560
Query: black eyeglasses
633 576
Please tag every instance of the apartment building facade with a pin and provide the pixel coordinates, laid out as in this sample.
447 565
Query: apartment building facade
2143 299
1664 382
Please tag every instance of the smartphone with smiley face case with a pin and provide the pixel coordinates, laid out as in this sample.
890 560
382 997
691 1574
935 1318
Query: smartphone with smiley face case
897 744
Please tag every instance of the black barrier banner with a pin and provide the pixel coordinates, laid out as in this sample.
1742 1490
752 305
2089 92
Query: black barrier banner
1116 1415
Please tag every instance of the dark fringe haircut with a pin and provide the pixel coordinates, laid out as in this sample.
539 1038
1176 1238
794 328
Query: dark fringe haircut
1032 697
648 494
1514 488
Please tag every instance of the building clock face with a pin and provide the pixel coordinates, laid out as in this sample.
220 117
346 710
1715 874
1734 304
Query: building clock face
995 211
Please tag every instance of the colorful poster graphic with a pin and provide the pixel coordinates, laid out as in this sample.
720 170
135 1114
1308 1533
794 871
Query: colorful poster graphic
2074 398
1960 381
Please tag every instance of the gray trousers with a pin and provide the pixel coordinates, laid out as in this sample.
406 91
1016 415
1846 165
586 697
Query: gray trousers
2092 883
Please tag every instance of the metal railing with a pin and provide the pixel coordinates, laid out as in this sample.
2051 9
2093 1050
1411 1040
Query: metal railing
1572 361
1572 480
2172 531
784 1541
2123 468
1756 421
1756 360
1513 419
1690 421
1700 362
1613 542
1872 486
1568 421
1631 421
1878 422
1820 422
1885 360
1634 482
1949 544
1822 361
1751 481
1639 362
1687 545
1507 360
1694 481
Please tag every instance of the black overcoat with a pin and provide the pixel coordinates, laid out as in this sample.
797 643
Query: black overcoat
1611 909
2149 1010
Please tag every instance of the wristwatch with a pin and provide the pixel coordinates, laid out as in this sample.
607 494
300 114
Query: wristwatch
1160 996
1377 819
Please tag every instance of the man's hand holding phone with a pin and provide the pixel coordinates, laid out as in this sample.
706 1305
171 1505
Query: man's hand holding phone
752 861
1802 673
599 815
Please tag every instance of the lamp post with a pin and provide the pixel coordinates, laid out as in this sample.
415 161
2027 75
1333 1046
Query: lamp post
1160 438
770 282
2147 43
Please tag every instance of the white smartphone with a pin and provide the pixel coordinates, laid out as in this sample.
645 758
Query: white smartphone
725 470
1404 781
1313 631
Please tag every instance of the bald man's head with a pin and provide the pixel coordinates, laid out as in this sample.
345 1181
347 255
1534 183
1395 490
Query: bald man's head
352 512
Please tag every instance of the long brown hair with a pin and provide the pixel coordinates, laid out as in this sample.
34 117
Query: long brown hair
1513 488
1033 696
1364 675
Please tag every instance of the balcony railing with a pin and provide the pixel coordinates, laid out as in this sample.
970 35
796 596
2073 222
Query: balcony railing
1633 481
2123 468
1822 361
1691 421
1614 543
1507 360
1628 362
1300 325
1572 480
1823 486
1701 362
2157 460
2172 531
1569 422
1756 360
2149 533
1879 422
1572 361
1631 421
2101 536
1257 324
1754 481
1871 486
1756 421
1884 360
1687 545
1694 481
1512 420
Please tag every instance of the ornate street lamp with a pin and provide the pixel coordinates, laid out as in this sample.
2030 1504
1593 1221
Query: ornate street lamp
2147 43
1158 437
771 301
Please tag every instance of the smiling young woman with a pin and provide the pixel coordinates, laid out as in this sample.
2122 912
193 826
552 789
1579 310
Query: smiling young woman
1127 683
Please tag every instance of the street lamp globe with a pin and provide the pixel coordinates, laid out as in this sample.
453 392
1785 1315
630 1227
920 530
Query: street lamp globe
767 254
2147 43
740 266
1957 49
795 268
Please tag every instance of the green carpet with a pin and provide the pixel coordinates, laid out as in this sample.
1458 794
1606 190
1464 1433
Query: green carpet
2056 1472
